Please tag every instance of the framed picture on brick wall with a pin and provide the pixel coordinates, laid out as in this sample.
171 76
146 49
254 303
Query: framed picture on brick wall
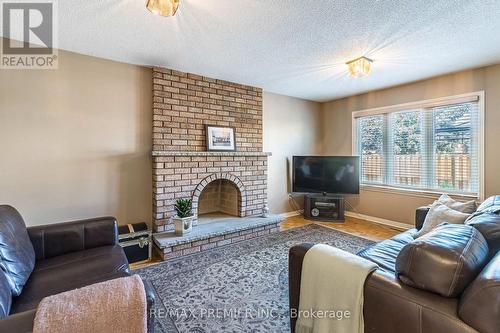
220 138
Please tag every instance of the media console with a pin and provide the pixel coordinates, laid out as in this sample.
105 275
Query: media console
320 207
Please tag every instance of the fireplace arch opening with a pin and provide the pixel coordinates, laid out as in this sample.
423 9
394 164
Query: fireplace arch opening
219 199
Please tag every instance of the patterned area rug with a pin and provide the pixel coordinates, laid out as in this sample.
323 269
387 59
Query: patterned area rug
241 287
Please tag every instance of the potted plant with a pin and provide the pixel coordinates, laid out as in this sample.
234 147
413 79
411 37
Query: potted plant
183 221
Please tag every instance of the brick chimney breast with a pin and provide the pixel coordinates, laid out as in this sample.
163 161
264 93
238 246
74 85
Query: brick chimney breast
183 104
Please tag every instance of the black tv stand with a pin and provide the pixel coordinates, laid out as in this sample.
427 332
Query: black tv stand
324 207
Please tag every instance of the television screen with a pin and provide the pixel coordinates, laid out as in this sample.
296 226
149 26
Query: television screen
329 174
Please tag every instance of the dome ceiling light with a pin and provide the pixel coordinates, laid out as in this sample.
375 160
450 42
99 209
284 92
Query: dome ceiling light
359 67
163 7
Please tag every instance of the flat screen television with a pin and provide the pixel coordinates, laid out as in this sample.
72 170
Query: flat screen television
325 174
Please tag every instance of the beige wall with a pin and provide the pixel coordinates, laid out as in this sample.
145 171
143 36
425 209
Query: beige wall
337 130
75 142
291 127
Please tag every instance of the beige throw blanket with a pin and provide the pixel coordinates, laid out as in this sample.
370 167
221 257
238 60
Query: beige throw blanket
331 291
112 306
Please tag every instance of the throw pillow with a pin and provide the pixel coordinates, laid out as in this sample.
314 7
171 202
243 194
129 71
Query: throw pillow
439 213
17 256
468 207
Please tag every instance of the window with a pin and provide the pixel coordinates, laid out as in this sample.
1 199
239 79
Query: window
425 146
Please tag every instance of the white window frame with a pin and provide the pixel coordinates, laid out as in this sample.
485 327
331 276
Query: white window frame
456 99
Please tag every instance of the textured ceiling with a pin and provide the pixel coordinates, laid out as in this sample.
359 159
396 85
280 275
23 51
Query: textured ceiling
293 47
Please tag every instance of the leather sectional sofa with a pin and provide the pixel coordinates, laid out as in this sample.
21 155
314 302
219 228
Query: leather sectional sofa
67 256
444 282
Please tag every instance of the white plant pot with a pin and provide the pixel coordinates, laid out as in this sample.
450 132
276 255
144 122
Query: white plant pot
183 225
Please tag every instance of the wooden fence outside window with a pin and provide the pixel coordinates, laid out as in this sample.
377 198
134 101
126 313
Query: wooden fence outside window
451 171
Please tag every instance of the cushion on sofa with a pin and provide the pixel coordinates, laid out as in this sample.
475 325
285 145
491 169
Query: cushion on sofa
444 261
384 253
440 213
73 270
17 257
488 224
5 295
480 303
490 205
468 207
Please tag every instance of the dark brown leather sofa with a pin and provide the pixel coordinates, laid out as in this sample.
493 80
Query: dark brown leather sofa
68 256
391 305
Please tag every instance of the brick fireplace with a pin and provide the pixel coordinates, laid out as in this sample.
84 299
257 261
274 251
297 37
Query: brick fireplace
232 183
189 174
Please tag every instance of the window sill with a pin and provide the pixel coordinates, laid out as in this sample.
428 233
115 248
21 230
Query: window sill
417 193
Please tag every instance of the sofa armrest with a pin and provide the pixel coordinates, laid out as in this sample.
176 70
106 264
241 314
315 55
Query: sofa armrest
21 322
391 306
60 238
420 215
150 299
295 259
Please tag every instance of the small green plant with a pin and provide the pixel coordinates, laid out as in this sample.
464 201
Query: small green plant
184 208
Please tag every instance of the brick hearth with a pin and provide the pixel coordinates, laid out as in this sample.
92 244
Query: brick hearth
211 235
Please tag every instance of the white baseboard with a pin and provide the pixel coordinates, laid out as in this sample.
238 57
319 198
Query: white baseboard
289 214
378 220
373 219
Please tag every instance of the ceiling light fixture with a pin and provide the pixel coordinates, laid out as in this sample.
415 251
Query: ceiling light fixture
163 7
359 67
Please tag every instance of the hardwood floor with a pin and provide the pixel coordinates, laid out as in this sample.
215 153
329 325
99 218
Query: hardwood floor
353 226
